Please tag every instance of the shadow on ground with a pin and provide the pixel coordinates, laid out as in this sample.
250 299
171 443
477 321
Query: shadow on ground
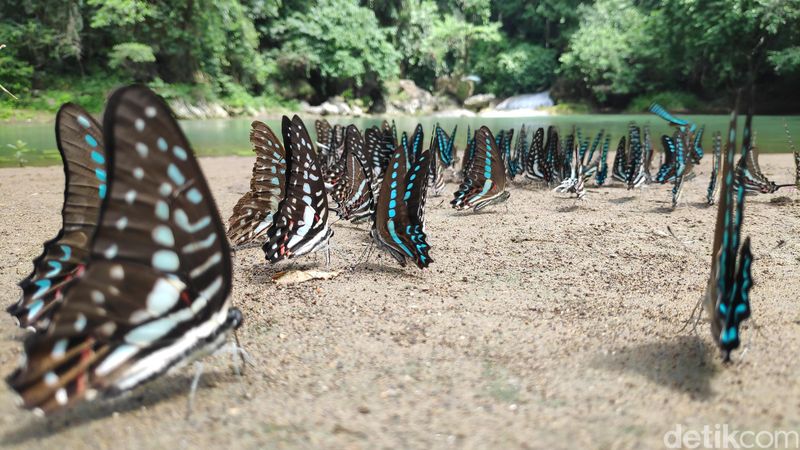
684 364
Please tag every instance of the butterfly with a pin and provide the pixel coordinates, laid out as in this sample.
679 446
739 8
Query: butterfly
682 171
551 155
660 111
575 182
635 168
252 214
442 156
727 296
796 156
154 293
588 160
648 154
755 182
697 148
516 161
667 170
325 144
398 223
80 143
619 169
485 180
713 184
300 225
534 166
353 194
445 145
469 152
602 167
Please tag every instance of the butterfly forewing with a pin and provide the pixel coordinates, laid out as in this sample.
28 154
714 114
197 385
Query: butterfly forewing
80 142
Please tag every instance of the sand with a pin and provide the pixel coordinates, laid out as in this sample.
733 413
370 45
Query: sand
543 323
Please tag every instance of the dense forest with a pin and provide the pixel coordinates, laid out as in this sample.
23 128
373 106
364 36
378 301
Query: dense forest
604 54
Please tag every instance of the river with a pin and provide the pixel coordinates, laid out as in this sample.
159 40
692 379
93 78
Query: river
230 136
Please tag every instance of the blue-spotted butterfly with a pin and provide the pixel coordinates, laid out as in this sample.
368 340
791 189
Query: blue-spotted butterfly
602 166
635 170
80 142
398 223
154 293
485 180
300 226
252 214
727 296
755 182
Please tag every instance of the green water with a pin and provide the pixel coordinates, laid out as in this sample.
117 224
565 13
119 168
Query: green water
230 136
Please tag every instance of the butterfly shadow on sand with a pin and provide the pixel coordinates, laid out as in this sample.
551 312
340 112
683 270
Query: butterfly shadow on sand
684 364
161 390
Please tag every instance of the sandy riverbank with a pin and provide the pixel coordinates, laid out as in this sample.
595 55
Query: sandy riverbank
543 323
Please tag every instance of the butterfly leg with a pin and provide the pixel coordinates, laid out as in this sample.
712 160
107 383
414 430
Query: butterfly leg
198 372
328 253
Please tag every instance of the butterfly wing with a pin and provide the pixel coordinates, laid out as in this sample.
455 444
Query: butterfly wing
620 158
80 143
486 179
534 166
713 184
667 170
301 224
155 288
252 214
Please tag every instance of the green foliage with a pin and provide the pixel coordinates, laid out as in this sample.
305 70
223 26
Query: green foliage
20 149
450 41
130 52
327 43
253 52
785 61
519 68
15 74
611 49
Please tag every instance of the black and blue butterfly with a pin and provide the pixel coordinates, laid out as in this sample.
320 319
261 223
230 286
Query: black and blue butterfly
727 296
485 179
155 290
398 223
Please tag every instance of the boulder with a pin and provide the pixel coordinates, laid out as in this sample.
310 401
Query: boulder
479 102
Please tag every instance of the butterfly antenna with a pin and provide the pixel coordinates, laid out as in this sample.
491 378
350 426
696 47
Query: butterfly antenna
198 372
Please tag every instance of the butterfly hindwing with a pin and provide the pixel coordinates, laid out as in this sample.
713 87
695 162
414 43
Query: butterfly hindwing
252 214
80 142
